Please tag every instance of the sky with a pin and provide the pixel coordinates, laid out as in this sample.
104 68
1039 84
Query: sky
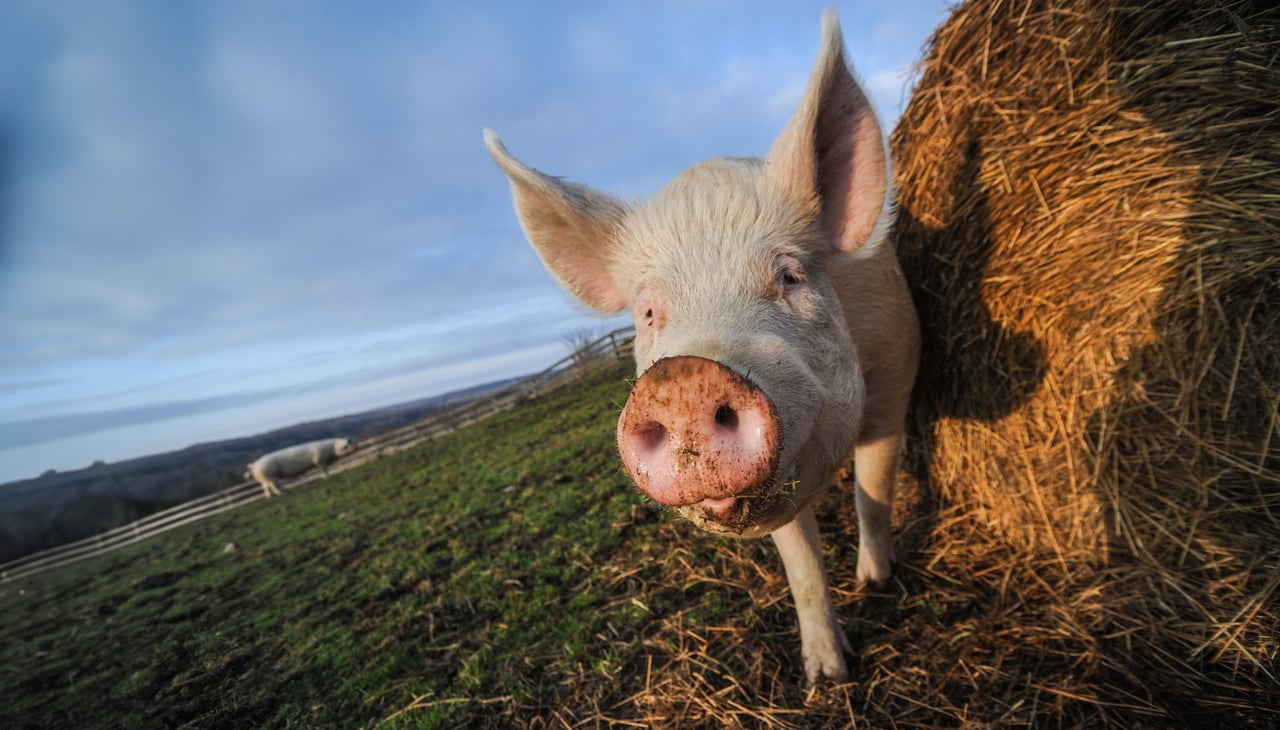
221 218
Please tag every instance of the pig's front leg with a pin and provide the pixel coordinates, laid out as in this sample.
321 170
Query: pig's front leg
822 640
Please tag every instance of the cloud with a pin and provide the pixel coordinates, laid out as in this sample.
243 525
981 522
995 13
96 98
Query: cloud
12 385
31 431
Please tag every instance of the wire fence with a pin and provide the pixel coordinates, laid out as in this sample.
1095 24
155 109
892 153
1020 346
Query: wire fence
611 348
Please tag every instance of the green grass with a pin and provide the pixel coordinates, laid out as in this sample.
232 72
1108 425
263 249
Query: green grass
504 575
459 571
508 575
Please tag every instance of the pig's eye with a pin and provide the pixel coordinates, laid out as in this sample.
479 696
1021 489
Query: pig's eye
788 274
648 309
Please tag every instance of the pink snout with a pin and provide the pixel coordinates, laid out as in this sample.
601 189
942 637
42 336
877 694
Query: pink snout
694 430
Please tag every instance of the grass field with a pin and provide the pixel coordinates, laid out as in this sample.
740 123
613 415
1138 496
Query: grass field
504 574
508 575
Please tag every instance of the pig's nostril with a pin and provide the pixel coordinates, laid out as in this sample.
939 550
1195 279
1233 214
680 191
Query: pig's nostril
727 418
652 435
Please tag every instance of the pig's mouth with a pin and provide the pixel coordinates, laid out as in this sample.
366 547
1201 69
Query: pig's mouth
743 514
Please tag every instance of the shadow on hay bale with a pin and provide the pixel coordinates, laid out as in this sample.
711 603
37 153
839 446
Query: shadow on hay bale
1089 214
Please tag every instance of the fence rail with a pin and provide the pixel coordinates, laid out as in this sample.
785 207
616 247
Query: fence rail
616 346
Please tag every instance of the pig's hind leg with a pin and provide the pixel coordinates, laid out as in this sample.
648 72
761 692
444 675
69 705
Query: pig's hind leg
822 640
876 468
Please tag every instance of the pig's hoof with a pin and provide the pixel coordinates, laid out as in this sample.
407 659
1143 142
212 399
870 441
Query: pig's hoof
833 668
826 659
871 570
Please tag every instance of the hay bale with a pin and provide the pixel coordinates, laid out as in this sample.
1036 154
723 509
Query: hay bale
1089 200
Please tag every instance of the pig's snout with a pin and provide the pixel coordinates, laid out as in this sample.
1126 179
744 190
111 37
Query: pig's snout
694 430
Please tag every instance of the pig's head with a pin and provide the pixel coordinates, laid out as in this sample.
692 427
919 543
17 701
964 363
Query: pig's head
749 392
342 447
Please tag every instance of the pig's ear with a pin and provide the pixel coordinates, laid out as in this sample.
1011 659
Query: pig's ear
831 153
573 228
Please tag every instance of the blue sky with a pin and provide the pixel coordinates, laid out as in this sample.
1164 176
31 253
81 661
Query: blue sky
221 218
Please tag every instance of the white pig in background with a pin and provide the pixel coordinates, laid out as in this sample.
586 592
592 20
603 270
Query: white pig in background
294 460
774 331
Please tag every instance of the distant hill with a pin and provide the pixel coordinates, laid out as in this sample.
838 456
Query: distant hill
60 507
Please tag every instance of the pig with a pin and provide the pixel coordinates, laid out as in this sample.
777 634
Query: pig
775 334
294 460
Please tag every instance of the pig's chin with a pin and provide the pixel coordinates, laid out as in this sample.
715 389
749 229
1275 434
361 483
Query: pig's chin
747 516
